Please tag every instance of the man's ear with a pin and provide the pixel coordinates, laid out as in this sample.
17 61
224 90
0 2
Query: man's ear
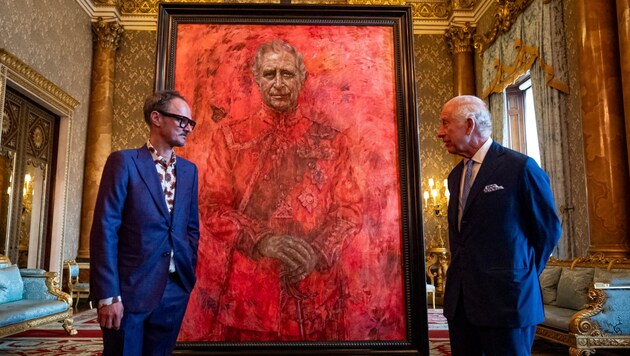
470 125
155 119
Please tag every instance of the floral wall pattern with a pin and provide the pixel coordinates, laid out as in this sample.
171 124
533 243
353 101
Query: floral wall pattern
54 38
434 84
135 71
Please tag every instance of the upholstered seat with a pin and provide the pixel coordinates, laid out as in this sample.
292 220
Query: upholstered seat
75 287
31 297
24 310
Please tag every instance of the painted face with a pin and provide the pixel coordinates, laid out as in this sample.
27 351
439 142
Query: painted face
279 81
170 131
453 131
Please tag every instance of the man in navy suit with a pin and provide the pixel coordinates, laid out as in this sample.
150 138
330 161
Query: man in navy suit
143 244
502 229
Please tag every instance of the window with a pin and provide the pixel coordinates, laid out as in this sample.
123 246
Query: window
520 118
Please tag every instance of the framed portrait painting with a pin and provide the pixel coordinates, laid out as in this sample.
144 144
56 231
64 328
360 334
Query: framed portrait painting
307 148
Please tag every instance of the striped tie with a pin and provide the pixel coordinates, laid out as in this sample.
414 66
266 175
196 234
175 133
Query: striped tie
467 182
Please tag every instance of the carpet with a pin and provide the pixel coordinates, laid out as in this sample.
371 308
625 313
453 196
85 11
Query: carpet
439 344
52 340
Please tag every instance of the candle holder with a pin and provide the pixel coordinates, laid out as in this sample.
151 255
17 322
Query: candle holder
436 198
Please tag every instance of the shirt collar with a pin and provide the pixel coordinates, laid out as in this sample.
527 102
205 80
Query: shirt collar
159 159
480 155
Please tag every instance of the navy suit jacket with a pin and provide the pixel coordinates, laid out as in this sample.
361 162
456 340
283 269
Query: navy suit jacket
133 232
506 238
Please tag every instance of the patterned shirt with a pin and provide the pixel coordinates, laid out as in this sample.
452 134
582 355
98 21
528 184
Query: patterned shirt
166 172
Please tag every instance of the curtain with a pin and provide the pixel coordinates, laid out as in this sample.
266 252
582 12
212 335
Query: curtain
536 43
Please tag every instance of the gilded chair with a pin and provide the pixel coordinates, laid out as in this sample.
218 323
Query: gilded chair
75 288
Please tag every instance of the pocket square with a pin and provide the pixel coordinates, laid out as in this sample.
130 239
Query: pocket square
492 188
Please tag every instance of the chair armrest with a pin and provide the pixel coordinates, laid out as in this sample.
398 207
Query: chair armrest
613 320
581 323
43 286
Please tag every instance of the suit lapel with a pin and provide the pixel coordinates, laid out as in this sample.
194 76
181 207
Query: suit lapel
489 166
182 174
146 169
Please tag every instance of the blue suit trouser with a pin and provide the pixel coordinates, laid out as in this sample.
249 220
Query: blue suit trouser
473 340
150 333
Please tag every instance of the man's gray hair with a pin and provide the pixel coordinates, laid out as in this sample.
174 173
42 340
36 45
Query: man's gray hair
278 46
471 106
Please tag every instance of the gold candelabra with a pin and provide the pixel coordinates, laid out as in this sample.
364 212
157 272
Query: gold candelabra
436 199
437 203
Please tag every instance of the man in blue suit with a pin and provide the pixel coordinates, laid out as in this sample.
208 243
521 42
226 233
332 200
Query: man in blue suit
143 244
502 229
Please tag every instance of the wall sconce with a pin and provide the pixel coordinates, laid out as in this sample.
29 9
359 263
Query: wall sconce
439 198
436 206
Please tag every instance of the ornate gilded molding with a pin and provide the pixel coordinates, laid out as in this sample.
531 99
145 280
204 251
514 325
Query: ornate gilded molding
460 38
437 9
507 12
107 34
581 323
32 81
464 4
429 16
151 6
52 282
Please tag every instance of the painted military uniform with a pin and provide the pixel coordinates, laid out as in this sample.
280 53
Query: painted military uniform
280 175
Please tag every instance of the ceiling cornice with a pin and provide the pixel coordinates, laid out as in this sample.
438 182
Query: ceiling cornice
429 16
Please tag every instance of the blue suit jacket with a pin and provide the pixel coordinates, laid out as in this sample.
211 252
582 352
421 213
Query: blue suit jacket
133 232
506 238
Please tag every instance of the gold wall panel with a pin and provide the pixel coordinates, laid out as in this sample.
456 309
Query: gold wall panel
434 83
135 72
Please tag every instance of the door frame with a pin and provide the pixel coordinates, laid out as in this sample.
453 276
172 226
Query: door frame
22 78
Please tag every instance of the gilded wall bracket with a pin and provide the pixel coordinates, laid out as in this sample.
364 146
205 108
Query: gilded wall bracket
507 11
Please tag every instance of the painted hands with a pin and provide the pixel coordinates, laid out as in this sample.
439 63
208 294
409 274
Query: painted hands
297 256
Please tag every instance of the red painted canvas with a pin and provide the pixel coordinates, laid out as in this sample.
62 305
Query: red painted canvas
323 176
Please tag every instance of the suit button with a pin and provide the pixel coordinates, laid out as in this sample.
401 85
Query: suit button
166 254
172 230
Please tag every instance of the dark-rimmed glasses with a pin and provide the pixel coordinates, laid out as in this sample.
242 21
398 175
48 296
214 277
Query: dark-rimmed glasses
182 121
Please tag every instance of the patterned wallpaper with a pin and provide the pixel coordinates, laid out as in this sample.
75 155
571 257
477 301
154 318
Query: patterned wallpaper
61 39
434 83
54 38
135 72
135 61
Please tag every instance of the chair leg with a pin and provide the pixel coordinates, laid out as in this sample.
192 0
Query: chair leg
433 299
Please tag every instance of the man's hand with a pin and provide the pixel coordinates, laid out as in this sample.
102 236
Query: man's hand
296 255
109 316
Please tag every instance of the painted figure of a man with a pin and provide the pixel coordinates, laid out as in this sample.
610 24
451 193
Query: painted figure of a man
283 203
